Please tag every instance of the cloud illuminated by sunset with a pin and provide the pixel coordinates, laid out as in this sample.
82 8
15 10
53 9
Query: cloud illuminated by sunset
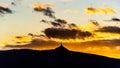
22 39
91 10
42 6
44 24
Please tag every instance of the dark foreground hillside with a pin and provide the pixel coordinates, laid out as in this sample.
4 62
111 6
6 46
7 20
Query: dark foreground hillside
59 58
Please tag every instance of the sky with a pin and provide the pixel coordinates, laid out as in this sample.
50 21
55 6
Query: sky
89 26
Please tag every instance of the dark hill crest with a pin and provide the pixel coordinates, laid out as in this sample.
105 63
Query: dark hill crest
59 57
61 48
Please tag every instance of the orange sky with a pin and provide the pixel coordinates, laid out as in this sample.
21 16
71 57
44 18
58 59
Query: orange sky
83 26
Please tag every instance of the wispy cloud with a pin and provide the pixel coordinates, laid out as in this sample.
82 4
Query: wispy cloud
113 19
45 8
36 44
110 29
92 10
4 10
22 39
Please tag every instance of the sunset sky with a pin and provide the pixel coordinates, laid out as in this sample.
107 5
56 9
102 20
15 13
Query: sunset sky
90 26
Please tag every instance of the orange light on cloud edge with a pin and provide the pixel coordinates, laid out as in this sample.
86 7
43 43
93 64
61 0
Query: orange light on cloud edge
42 6
91 10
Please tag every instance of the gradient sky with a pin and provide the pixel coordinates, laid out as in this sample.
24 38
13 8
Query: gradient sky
25 20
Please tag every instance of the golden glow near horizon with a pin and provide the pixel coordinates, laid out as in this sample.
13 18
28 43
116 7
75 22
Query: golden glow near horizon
86 27
107 50
78 44
22 39
16 26
81 45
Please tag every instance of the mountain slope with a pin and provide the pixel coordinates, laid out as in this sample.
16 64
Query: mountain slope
60 57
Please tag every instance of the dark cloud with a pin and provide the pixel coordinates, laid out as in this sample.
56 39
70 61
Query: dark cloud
34 35
111 29
13 3
94 22
30 34
19 37
16 2
61 21
44 21
56 24
72 25
61 28
47 11
66 33
114 19
4 10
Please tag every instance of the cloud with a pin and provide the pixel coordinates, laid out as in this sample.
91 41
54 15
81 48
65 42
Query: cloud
4 10
16 2
63 30
61 21
13 3
44 21
114 19
56 22
109 48
45 8
101 42
91 10
40 7
34 35
43 5
107 10
22 39
72 25
61 33
110 29
36 44
110 10
94 22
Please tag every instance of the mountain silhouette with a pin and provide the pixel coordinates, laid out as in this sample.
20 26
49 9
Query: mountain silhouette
59 58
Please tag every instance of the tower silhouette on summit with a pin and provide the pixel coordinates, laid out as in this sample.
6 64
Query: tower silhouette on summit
61 49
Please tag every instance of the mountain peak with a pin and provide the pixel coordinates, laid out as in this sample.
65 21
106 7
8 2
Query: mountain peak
61 48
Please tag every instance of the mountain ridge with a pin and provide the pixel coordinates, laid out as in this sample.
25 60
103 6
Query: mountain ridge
58 57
